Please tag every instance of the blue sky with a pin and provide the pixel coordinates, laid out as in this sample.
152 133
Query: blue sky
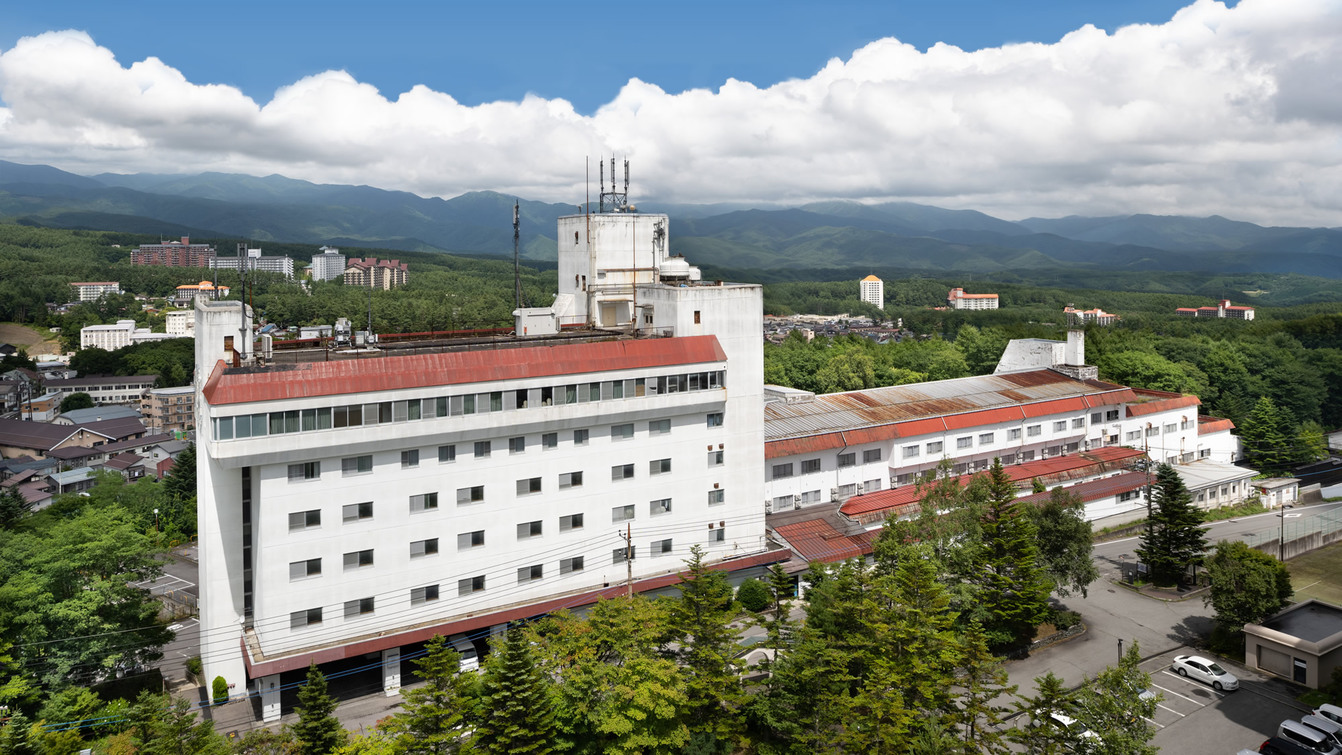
582 52
1021 108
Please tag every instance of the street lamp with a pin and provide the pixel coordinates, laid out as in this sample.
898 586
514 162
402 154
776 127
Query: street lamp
156 529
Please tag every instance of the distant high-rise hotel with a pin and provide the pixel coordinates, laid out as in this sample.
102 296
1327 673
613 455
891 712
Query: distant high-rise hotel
328 265
872 291
375 273
173 254
958 299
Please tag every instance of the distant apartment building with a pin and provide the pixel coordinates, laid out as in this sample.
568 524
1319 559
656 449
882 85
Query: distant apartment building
106 389
248 260
91 291
167 410
185 296
1223 309
872 291
328 265
180 323
374 273
173 254
113 337
1097 316
958 299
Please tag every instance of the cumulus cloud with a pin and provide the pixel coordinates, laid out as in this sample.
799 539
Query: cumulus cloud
1230 111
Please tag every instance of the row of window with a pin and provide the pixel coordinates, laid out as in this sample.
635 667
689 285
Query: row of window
468 585
385 412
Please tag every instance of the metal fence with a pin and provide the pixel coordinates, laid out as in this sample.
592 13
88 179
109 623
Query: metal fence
1299 536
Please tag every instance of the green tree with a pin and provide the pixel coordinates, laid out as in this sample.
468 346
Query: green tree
16 736
981 348
1111 705
1065 539
753 595
1247 585
1039 735
13 507
317 730
517 713
1311 443
1265 436
266 742
700 621
76 400
180 484
1013 589
164 726
431 719
1174 538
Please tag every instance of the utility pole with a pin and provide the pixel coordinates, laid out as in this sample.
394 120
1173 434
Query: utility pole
629 559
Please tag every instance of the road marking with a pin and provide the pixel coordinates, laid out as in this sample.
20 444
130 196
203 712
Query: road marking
1172 710
1211 689
1176 694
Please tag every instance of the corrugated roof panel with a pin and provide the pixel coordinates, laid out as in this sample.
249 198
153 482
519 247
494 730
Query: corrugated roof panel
986 417
453 368
1056 406
1210 425
816 540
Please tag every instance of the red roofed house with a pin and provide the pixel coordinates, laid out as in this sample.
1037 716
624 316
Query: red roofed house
1223 309
359 506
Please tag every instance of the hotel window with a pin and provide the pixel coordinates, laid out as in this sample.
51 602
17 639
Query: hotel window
985 438
301 520
782 470
423 502
423 547
718 535
580 437
659 427
447 454
358 607
661 547
570 480
1060 426
659 506
358 559
810 496
714 458
659 466
622 472
308 618
1172 427
716 497
1033 430
529 486
965 442
715 419
426 594
353 512
530 573
871 455
1111 415
570 565
550 440
527 530
622 432
1079 423
1152 431
304 569
1133 435
622 513
410 459
517 445
308 470
482 448
471 584
1095 418
1013 433
810 466
934 447
911 452
848 459
570 522
356 465
473 494
871 486
468 540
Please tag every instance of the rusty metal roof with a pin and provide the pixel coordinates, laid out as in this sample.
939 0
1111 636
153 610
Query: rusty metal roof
245 385
920 408
817 540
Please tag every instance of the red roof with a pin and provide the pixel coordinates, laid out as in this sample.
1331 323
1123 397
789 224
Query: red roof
894 499
817 540
1208 425
1094 490
1161 401
237 386
379 642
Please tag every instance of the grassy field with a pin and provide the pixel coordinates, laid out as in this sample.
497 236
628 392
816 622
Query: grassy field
1318 574
34 340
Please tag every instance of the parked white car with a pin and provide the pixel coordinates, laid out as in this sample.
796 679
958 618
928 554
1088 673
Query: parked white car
1205 671
1076 731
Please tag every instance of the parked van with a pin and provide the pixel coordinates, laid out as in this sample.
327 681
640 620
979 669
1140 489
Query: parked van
470 659
1330 712
1328 726
1301 734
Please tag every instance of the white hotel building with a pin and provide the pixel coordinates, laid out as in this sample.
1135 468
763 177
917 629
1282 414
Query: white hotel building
349 510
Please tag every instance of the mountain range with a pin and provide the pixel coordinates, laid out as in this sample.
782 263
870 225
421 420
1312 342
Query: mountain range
829 234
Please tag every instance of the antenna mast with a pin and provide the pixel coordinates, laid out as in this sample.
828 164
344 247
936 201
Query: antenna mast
614 200
517 270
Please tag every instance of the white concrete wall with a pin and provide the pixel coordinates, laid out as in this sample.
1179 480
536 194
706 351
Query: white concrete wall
598 254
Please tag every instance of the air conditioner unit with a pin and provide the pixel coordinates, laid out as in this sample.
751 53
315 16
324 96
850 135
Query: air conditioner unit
834 494
768 506
796 500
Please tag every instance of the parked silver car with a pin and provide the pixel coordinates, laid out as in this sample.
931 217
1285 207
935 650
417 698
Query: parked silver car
1205 671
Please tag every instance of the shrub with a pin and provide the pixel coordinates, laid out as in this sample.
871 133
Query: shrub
220 689
754 596
193 666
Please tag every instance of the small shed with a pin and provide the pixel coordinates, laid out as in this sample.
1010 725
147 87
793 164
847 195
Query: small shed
1303 643
1278 491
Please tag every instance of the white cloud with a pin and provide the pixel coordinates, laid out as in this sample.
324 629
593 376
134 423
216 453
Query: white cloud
1219 111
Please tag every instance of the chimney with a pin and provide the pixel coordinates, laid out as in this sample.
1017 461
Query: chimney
1075 353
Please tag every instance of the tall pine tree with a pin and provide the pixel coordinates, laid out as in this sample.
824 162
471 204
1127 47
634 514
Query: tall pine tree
701 623
317 730
1013 589
431 719
1267 446
1174 538
516 715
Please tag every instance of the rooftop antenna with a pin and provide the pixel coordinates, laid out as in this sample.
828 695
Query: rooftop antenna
517 270
601 195
615 199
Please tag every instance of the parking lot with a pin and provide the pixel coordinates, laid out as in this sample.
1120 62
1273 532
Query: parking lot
1193 718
